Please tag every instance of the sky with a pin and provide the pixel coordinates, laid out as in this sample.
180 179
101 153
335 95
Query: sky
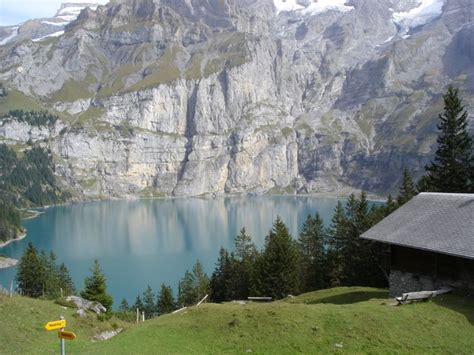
13 12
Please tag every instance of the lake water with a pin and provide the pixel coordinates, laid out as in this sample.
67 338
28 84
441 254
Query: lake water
149 242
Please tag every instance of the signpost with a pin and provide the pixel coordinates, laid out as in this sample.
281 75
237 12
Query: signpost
57 324
61 340
66 335
62 334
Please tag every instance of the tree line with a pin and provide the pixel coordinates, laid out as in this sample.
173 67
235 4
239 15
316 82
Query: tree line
10 222
192 288
33 118
39 275
153 305
26 180
320 257
3 91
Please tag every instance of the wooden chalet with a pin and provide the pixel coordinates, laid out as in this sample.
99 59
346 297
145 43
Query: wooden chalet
430 243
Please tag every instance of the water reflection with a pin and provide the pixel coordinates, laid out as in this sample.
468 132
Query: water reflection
154 241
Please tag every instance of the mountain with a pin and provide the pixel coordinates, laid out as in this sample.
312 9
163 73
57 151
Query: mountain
40 29
191 97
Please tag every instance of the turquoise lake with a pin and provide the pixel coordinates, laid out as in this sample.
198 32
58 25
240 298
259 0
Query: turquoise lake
149 242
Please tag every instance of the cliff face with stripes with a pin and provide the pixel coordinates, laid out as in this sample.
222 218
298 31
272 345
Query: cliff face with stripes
191 97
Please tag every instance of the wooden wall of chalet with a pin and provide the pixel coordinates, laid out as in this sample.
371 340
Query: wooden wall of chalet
438 266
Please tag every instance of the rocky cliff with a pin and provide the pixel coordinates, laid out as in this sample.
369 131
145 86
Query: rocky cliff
190 97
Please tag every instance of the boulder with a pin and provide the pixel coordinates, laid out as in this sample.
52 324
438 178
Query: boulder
86 305
106 335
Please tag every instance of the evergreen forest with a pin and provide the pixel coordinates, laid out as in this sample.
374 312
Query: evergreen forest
26 180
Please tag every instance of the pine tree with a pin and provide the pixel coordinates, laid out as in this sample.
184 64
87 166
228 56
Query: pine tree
279 267
359 266
126 312
362 217
312 255
165 302
39 275
390 205
407 189
362 257
244 247
95 287
351 211
453 166
193 286
124 306
187 293
52 283
65 281
201 281
335 247
351 252
138 304
221 279
242 264
149 303
257 282
30 275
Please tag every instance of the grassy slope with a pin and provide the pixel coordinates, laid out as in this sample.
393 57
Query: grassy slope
360 319
22 323
15 100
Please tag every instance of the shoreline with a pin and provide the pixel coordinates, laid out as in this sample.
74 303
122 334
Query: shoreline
33 212
341 194
6 263
20 237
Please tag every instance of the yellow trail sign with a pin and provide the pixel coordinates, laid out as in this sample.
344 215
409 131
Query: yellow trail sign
57 324
66 335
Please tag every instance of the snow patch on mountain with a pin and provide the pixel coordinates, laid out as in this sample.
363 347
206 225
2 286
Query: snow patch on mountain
311 7
426 11
55 34
12 35
51 23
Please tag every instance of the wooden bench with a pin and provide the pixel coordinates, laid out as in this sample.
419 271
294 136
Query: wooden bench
420 296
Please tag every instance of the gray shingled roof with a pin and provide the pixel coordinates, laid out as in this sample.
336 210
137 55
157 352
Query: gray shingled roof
438 222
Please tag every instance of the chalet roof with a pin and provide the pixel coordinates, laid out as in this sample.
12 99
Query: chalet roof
438 222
